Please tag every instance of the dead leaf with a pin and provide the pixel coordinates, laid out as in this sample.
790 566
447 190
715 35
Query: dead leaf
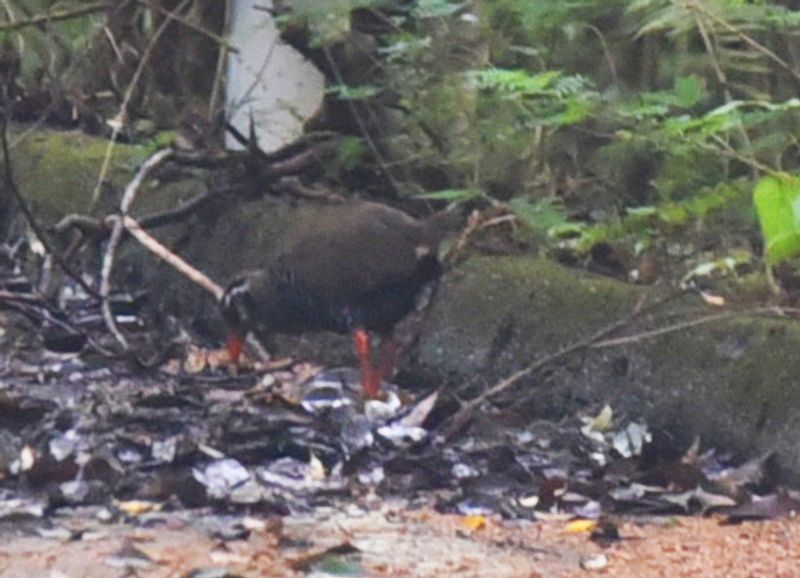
782 504
713 300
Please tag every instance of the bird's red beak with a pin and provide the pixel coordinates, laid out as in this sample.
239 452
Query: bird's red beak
234 347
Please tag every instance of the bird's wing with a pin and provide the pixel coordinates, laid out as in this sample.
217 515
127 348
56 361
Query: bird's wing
355 257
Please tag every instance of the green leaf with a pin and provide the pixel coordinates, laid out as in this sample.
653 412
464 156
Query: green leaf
345 92
437 8
540 215
688 91
451 195
646 211
515 82
777 201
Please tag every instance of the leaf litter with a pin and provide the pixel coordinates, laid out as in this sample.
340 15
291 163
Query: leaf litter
88 444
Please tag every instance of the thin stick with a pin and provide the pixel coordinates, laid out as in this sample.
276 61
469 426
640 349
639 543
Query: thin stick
116 236
627 339
122 115
154 246
223 43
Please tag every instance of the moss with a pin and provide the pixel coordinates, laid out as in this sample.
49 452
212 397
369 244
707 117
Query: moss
58 171
538 304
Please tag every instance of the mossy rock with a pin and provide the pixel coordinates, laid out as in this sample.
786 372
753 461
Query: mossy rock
732 381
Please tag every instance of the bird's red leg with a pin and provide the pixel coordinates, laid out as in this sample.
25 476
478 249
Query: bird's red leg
234 347
387 355
370 379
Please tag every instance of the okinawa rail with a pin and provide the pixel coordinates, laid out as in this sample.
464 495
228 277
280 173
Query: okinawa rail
358 269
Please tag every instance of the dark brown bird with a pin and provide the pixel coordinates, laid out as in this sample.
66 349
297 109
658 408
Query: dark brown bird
359 270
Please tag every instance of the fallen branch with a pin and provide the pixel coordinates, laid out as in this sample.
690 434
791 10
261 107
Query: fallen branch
154 246
116 236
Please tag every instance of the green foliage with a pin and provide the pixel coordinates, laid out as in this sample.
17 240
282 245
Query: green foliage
328 20
46 52
543 216
363 92
662 112
642 224
777 201
349 154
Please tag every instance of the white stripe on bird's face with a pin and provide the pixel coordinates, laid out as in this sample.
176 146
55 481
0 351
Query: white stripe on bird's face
235 290
236 303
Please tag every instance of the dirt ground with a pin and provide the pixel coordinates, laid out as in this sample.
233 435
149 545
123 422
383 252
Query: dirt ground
389 543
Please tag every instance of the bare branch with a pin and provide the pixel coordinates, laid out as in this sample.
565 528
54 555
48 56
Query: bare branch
154 246
116 236
56 16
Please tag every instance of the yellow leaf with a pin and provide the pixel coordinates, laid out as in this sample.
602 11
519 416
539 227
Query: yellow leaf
581 526
138 507
474 523
603 420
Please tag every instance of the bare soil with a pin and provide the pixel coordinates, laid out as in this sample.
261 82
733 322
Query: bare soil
390 542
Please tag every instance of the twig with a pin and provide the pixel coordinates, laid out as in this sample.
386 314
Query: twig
294 186
55 16
29 303
463 415
727 150
596 341
180 212
98 229
477 221
222 42
11 185
28 298
122 115
617 341
225 51
196 276
88 226
606 52
155 247
116 235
